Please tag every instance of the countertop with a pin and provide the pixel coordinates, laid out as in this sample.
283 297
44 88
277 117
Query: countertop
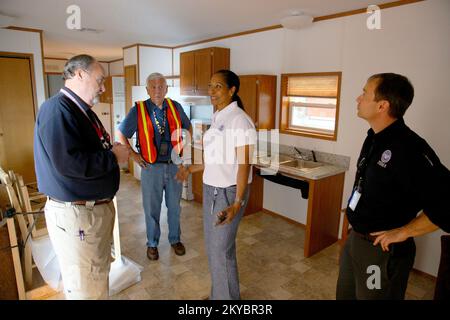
326 170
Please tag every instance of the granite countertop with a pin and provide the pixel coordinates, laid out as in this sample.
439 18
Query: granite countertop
323 171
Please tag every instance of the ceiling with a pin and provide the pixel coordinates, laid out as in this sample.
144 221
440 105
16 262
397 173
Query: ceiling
159 22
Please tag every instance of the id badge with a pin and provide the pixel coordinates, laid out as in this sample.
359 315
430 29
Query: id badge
354 200
163 148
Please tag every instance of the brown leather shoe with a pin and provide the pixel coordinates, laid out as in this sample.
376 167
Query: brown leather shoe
179 248
152 253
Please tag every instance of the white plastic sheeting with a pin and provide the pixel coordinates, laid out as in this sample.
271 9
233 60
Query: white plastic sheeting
123 274
47 262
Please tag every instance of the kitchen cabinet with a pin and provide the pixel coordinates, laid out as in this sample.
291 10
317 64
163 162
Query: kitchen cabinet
197 67
324 194
255 200
258 94
197 177
324 212
197 186
107 96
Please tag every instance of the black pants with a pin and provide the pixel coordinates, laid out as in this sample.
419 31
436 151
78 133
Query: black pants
366 272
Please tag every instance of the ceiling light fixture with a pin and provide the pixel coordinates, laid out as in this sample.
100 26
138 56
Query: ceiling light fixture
296 21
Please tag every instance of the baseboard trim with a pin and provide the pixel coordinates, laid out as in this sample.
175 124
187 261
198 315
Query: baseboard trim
423 273
277 215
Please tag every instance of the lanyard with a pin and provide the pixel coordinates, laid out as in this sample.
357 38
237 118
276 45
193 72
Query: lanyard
68 95
361 168
97 126
163 128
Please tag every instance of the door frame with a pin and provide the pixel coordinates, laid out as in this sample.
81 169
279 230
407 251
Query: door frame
128 105
30 57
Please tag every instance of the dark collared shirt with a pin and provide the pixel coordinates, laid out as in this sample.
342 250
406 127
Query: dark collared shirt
70 161
129 125
400 176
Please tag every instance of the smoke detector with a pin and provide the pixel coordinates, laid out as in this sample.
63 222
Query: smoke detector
296 21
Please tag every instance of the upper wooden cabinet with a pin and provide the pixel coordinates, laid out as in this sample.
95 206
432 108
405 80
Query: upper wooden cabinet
107 96
258 94
197 67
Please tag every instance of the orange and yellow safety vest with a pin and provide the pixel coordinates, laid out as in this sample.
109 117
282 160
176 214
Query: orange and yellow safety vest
146 133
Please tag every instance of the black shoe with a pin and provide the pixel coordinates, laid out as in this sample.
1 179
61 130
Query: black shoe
179 248
152 253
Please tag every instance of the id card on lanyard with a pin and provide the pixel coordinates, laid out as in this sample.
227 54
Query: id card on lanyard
357 190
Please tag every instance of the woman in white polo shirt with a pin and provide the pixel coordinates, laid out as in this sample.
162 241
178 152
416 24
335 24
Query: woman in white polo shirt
228 146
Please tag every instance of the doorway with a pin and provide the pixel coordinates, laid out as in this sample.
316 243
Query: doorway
17 113
130 75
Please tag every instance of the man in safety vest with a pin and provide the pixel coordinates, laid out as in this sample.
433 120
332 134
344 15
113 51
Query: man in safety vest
158 123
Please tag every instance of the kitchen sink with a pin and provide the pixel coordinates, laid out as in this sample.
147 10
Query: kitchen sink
282 158
301 164
288 161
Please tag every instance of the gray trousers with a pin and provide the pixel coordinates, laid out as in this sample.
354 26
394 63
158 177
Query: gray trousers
220 242
366 272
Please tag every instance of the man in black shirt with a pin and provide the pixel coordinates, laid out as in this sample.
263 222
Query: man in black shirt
398 176
77 168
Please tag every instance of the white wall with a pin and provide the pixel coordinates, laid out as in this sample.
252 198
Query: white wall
52 65
26 42
130 56
154 60
413 41
116 68
249 54
105 66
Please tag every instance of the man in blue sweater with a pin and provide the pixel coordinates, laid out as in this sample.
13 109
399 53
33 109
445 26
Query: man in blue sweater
77 168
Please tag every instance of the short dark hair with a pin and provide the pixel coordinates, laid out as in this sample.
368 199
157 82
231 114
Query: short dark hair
396 89
232 80
82 61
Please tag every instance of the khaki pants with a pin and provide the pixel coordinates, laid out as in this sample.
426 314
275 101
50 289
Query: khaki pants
81 236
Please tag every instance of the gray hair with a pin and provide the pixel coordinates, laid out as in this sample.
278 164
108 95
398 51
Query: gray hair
82 61
155 76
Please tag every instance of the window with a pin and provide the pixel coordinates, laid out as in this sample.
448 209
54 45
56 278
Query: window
310 104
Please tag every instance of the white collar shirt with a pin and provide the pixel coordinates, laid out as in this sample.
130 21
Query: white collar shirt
230 128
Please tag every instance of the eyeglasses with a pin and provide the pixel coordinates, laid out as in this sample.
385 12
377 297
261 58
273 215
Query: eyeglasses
100 81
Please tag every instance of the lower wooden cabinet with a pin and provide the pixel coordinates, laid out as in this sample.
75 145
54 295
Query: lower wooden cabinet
197 186
255 201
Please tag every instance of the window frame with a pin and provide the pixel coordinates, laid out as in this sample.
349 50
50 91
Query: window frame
285 110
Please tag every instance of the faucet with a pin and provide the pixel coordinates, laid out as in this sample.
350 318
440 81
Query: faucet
299 154
313 155
304 157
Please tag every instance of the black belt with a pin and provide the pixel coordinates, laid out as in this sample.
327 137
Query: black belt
166 161
365 236
83 202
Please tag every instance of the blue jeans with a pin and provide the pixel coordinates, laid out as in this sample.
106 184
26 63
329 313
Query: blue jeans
155 179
